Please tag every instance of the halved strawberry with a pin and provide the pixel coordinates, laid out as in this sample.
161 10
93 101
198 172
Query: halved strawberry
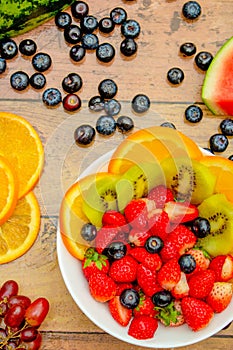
222 265
202 259
181 289
120 313
138 237
220 296
179 212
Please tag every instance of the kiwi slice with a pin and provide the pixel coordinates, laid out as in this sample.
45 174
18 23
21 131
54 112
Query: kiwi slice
188 179
219 211
100 197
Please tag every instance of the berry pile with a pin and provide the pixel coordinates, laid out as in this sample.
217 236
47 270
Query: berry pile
20 318
145 264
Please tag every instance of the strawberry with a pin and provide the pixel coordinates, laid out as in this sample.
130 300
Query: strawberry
169 274
181 289
159 225
201 283
94 262
197 313
145 306
220 296
138 237
177 242
105 236
160 194
147 280
124 269
136 213
120 313
102 287
179 212
114 218
202 259
222 265
143 327
152 261
171 315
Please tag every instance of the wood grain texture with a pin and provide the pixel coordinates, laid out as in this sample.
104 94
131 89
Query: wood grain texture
163 30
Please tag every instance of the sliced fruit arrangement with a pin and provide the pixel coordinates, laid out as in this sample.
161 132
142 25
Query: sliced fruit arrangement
21 164
155 240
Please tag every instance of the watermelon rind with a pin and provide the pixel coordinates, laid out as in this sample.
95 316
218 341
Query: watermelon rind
218 82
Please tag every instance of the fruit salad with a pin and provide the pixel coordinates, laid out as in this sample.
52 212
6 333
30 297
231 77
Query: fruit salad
154 233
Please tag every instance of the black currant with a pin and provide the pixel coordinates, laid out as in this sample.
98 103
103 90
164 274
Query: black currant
218 143
193 114
129 298
105 52
72 83
37 80
41 61
226 127
140 103
106 125
203 60
124 124
175 75
52 97
19 80
84 135
27 47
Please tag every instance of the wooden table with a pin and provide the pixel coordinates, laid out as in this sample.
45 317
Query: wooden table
163 30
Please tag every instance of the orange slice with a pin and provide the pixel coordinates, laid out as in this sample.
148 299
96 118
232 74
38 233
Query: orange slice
20 231
21 145
152 145
9 190
72 217
223 169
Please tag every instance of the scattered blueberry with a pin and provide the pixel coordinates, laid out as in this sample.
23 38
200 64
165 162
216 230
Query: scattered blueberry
154 244
231 157
106 25
107 88
79 9
105 52
175 76
84 135
129 298
130 29
203 60
226 127
19 80
187 263
188 49
200 227
168 125
140 103
2 65
208 150
63 19
72 34
8 48
41 61
37 80
72 83
51 97
96 103
71 102
193 114
115 250
77 53
27 47
191 10
88 24
124 124
218 143
128 47
118 15
106 125
162 298
90 41
88 232
112 107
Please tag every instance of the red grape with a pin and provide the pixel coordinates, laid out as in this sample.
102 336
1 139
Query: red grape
3 308
37 311
8 289
21 300
28 334
35 344
14 316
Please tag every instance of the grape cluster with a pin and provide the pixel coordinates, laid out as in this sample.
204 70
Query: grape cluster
20 318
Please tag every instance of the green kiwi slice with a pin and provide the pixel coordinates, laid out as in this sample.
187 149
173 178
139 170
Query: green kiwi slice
188 179
219 211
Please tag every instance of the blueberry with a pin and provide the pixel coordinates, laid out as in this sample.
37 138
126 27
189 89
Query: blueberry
112 107
79 9
106 25
2 65
88 24
140 103
8 48
162 298
84 135
191 10
218 143
200 227
77 53
115 250
188 49
226 127
19 80
130 29
96 103
187 263
72 34
154 244
208 150
41 61
51 97
175 75
106 125
27 47
129 298
128 47
193 114
88 232
118 15
107 88
124 124
105 52
37 80
231 157
72 83
203 60
71 102
168 125
63 19
90 41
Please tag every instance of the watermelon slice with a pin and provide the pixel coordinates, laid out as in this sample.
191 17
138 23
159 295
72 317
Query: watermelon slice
217 90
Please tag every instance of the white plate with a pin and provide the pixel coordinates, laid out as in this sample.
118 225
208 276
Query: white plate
98 313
